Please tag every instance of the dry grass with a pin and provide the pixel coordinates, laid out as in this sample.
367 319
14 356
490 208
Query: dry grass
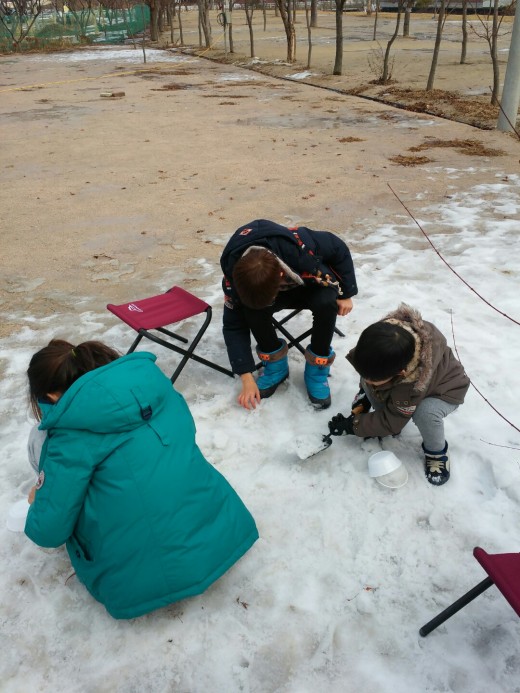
403 160
344 140
172 87
473 110
469 147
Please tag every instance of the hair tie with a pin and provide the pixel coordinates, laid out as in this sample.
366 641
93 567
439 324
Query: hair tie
73 353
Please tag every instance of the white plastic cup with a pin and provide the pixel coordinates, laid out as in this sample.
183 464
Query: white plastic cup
17 516
387 469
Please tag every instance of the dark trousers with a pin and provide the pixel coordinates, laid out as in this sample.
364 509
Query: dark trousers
321 301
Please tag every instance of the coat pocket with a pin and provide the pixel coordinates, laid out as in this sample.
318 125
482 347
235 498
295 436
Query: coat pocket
77 549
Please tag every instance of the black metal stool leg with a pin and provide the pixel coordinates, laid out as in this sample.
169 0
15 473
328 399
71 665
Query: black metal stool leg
456 606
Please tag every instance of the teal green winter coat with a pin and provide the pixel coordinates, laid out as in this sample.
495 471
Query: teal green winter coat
146 519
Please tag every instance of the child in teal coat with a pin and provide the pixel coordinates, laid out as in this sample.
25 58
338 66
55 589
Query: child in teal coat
147 521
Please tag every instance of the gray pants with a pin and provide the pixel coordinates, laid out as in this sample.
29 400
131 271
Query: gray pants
429 419
35 445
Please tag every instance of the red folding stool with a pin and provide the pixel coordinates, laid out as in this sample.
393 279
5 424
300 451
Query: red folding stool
156 312
503 570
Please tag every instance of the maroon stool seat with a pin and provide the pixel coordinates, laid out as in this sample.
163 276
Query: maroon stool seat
503 570
150 315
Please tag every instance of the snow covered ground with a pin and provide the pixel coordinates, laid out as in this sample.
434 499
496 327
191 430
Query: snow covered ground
332 595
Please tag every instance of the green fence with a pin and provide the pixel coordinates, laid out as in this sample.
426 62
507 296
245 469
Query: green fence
53 29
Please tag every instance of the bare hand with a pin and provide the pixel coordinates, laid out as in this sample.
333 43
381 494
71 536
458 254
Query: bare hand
345 305
30 497
250 395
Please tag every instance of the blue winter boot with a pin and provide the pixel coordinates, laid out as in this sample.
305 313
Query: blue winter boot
276 369
317 370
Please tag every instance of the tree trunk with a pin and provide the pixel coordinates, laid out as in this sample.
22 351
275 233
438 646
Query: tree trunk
407 17
230 30
338 62
376 17
437 47
494 55
181 35
205 21
284 8
154 20
170 13
308 20
248 8
386 63
314 13
160 21
464 45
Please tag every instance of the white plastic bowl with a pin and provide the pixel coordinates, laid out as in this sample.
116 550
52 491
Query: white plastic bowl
387 469
17 516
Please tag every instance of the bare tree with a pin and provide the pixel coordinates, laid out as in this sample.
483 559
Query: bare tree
82 12
376 17
249 9
408 5
229 18
464 44
314 14
284 8
441 18
308 20
490 33
179 17
385 77
18 17
155 7
338 62
205 23
170 14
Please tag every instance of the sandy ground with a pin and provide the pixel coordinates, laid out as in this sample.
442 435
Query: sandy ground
108 200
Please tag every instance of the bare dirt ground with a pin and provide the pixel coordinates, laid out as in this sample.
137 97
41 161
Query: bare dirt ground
111 199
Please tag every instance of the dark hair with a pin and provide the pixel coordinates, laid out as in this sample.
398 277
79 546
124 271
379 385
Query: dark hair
55 367
257 277
383 350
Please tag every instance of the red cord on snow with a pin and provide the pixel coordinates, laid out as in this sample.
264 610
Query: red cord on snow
505 315
476 388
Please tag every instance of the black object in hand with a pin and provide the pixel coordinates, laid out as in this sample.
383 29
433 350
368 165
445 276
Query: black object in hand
340 425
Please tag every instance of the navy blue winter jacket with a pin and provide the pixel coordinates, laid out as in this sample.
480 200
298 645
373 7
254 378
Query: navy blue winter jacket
310 254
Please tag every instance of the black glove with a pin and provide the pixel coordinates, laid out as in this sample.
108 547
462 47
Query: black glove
340 424
361 403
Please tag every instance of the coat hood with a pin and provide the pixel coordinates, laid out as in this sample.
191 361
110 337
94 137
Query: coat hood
420 369
114 398
293 246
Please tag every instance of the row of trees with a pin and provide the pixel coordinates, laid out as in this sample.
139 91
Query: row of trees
486 26
166 15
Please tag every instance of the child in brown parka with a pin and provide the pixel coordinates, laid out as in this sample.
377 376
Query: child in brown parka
407 371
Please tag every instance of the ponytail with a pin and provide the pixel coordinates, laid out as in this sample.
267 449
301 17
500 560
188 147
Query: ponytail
58 365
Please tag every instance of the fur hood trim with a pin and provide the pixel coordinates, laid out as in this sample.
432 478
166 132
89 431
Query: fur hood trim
420 368
285 268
